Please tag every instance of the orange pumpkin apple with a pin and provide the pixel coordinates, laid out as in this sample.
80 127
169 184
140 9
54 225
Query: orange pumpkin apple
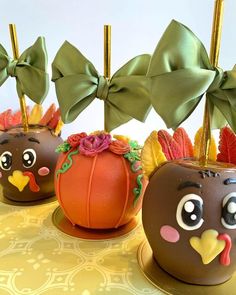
102 189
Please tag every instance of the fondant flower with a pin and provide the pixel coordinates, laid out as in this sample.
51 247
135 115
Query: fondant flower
119 147
94 144
74 139
122 137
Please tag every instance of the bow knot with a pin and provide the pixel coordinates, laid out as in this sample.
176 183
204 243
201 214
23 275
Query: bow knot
11 67
103 88
29 70
181 73
77 83
218 80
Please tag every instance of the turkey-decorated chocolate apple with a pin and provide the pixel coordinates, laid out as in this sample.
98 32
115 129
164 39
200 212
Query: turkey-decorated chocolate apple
28 141
28 159
189 209
99 181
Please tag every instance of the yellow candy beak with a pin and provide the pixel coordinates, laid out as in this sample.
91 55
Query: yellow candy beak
208 246
18 180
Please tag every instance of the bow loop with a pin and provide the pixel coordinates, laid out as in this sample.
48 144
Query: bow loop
103 88
11 68
181 73
78 83
29 71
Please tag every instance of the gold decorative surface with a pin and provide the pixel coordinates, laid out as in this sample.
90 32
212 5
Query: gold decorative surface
38 259
170 285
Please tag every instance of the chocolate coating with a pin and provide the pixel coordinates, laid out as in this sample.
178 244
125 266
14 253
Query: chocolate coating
160 203
43 143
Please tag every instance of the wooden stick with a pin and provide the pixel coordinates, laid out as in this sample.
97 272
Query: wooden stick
15 50
107 57
214 58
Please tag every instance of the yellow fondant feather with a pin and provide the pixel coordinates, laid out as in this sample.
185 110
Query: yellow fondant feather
197 144
36 114
152 155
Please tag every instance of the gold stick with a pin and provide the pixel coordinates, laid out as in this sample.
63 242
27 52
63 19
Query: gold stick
15 50
107 58
214 58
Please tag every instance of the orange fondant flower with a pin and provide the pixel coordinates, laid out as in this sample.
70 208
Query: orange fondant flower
74 139
119 147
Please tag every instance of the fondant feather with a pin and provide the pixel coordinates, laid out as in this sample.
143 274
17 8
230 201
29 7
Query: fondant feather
152 155
184 142
48 115
55 119
169 146
35 114
197 145
227 146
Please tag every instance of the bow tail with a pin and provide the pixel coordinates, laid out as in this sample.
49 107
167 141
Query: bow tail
221 112
114 117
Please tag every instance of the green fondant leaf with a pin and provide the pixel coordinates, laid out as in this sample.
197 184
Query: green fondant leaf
63 148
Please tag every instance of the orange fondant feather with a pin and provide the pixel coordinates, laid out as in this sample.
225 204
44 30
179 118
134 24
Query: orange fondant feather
48 115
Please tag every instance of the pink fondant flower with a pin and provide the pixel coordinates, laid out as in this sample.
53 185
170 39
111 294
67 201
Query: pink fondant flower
94 144
74 139
119 147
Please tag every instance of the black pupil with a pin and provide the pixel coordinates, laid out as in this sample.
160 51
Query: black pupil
192 212
229 211
28 159
6 161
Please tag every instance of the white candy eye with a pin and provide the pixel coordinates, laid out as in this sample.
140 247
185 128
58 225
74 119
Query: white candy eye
189 212
6 160
228 216
29 158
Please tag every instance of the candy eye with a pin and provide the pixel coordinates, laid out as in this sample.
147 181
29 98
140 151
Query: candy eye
29 158
6 160
189 212
228 218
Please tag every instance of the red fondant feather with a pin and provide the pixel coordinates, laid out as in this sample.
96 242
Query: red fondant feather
227 146
169 146
55 119
184 142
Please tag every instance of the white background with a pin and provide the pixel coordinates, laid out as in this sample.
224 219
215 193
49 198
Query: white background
137 25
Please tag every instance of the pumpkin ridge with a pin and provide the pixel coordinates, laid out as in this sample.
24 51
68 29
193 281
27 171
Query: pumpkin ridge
127 193
89 189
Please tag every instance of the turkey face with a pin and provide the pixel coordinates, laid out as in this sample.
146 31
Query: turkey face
189 217
27 163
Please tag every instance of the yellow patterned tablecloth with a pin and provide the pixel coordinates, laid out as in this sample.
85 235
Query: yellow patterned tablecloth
37 259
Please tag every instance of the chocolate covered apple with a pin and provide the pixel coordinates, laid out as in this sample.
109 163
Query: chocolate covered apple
28 141
99 181
28 159
189 209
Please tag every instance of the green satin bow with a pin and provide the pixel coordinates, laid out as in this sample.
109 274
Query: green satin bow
29 71
77 83
181 73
